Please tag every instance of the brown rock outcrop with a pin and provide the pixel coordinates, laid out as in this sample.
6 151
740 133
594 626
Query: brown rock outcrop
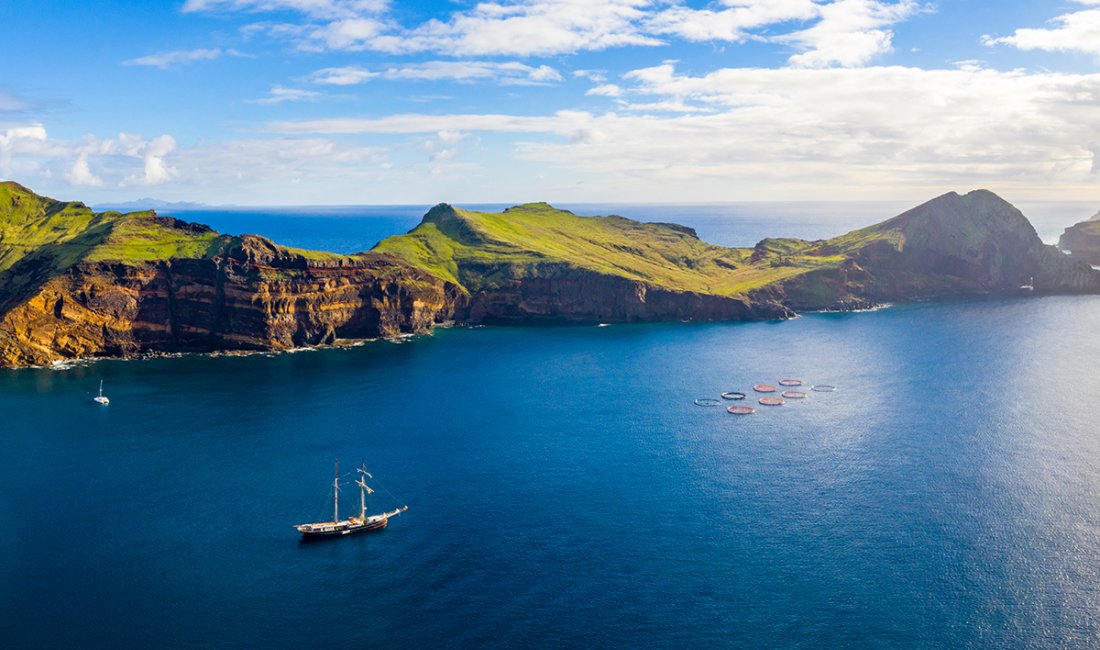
256 296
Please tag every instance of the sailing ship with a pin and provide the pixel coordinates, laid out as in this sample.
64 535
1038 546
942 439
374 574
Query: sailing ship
351 524
101 398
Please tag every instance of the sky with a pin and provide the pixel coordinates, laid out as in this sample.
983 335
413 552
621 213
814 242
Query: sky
309 102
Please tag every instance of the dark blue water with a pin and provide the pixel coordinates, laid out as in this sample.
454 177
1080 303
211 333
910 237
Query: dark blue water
564 491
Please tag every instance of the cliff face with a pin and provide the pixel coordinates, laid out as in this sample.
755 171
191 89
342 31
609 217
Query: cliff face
1083 240
97 285
561 293
247 299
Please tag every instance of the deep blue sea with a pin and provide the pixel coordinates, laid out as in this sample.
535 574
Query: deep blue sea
563 489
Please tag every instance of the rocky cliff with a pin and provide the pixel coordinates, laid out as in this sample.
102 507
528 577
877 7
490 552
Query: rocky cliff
1082 240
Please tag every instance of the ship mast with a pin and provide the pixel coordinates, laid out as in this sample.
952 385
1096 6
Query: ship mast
336 494
363 491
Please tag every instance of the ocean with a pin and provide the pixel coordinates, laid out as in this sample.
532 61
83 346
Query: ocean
563 488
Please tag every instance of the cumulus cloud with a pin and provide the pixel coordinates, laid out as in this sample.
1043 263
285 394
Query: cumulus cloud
97 164
81 174
835 129
508 73
177 58
1078 31
127 159
850 32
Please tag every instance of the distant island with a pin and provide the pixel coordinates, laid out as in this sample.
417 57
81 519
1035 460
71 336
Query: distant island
76 283
153 204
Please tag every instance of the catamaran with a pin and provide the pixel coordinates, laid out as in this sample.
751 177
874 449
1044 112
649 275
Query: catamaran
351 524
101 398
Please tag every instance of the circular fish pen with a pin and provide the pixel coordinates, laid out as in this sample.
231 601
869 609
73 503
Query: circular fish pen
790 382
764 388
741 410
824 388
794 394
734 395
772 401
707 402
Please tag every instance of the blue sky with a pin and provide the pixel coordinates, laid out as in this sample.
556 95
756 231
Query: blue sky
374 101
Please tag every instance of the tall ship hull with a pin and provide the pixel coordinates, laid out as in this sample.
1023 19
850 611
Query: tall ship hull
348 526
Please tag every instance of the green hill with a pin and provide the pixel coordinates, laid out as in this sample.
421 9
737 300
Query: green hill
954 244
478 250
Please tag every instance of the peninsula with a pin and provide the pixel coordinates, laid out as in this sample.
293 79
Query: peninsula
76 283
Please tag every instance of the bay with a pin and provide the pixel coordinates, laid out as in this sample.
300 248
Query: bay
563 488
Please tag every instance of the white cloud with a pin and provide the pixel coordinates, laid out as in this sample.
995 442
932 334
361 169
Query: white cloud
1078 31
126 160
509 73
176 58
81 174
531 28
734 22
844 32
606 90
824 131
96 165
350 34
282 94
516 28
598 76
850 32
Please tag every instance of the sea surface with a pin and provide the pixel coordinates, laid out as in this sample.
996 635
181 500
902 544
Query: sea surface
564 490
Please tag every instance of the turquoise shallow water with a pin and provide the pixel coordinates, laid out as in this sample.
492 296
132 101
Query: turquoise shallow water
563 489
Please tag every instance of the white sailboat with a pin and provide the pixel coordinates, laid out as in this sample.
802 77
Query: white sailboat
101 398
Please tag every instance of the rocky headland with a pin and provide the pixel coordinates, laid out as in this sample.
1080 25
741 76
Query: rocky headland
1082 240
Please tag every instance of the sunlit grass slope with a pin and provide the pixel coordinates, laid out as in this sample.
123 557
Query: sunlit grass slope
475 249
48 233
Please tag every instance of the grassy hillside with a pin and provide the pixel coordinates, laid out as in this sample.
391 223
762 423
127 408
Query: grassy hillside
474 249
39 231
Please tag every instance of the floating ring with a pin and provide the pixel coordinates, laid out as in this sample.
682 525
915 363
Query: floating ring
794 394
741 410
824 388
734 395
706 401
772 401
790 382
764 388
